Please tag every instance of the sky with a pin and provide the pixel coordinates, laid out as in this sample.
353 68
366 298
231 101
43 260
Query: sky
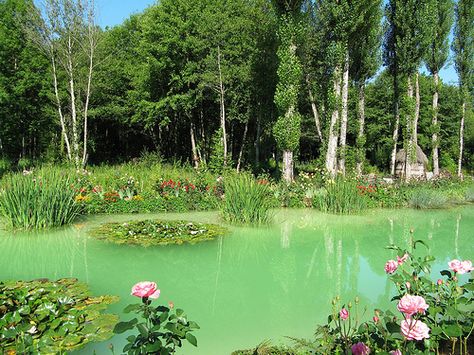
114 12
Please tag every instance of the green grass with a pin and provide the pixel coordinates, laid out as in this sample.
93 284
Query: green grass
245 200
340 196
425 199
42 200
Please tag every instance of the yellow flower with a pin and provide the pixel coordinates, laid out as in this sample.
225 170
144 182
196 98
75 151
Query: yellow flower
137 198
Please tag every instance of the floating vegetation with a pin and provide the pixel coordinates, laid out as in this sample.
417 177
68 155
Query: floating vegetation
157 232
51 317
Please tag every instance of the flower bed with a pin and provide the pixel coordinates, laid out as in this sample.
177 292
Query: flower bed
51 316
156 232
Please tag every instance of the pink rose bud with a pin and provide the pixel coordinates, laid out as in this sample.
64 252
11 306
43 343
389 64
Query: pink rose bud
344 314
391 266
171 304
414 329
360 349
145 289
401 260
408 285
439 282
376 319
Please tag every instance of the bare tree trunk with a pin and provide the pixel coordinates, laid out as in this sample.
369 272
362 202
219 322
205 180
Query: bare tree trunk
242 146
396 127
461 137
332 137
288 166
58 103
315 112
344 109
434 138
360 135
75 135
193 146
257 141
222 104
409 139
417 110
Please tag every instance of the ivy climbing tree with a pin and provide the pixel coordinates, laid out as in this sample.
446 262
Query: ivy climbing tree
287 128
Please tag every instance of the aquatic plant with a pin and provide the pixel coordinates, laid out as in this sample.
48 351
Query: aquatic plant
246 201
156 232
424 199
51 317
41 200
341 196
160 329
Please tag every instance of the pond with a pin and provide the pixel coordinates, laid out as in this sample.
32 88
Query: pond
255 284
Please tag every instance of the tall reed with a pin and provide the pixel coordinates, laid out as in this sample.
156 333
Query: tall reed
340 196
425 199
41 201
246 201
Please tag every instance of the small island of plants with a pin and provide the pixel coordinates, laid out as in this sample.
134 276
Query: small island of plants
157 232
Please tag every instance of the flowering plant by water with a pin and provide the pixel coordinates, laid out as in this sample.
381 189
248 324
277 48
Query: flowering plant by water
160 329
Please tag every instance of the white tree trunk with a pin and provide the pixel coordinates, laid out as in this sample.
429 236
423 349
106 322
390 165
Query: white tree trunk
242 146
332 137
409 148
288 166
344 109
222 105
360 135
193 146
461 137
434 138
417 110
314 108
70 73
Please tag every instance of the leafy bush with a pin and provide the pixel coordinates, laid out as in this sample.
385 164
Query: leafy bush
246 200
154 232
160 329
42 201
5 166
424 198
51 317
341 196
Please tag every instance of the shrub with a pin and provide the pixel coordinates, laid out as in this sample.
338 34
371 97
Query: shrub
5 166
424 199
246 201
47 317
42 201
341 196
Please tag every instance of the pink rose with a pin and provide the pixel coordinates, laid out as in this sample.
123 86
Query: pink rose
360 349
375 319
396 352
344 314
145 289
391 266
410 305
401 260
467 266
413 329
461 267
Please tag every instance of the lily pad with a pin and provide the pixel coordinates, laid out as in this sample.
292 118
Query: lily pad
56 316
157 232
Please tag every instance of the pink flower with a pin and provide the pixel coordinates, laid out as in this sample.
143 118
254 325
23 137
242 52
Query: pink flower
344 314
375 319
401 260
145 289
391 266
360 349
410 305
413 329
396 352
408 285
461 267
439 282
171 304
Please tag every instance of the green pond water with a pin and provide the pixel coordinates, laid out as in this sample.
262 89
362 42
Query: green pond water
255 284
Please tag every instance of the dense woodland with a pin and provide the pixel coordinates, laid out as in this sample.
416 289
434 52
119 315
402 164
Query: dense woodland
252 84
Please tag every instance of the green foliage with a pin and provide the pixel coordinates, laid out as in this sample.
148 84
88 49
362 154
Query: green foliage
160 329
41 200
463 46
156 232
424 198
246 201
5 166
340 196
51 317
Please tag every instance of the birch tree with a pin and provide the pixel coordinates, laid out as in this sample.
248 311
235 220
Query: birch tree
463 47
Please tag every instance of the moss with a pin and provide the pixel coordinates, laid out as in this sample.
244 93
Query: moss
156 232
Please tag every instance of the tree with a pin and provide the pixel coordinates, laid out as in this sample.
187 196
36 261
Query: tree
463 47
68 35
406 41
287 127
436 58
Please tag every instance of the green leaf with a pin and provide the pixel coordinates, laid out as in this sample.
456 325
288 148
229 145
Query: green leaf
191 338
122 327
446 273
142 329
453 330
179 312
131 308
